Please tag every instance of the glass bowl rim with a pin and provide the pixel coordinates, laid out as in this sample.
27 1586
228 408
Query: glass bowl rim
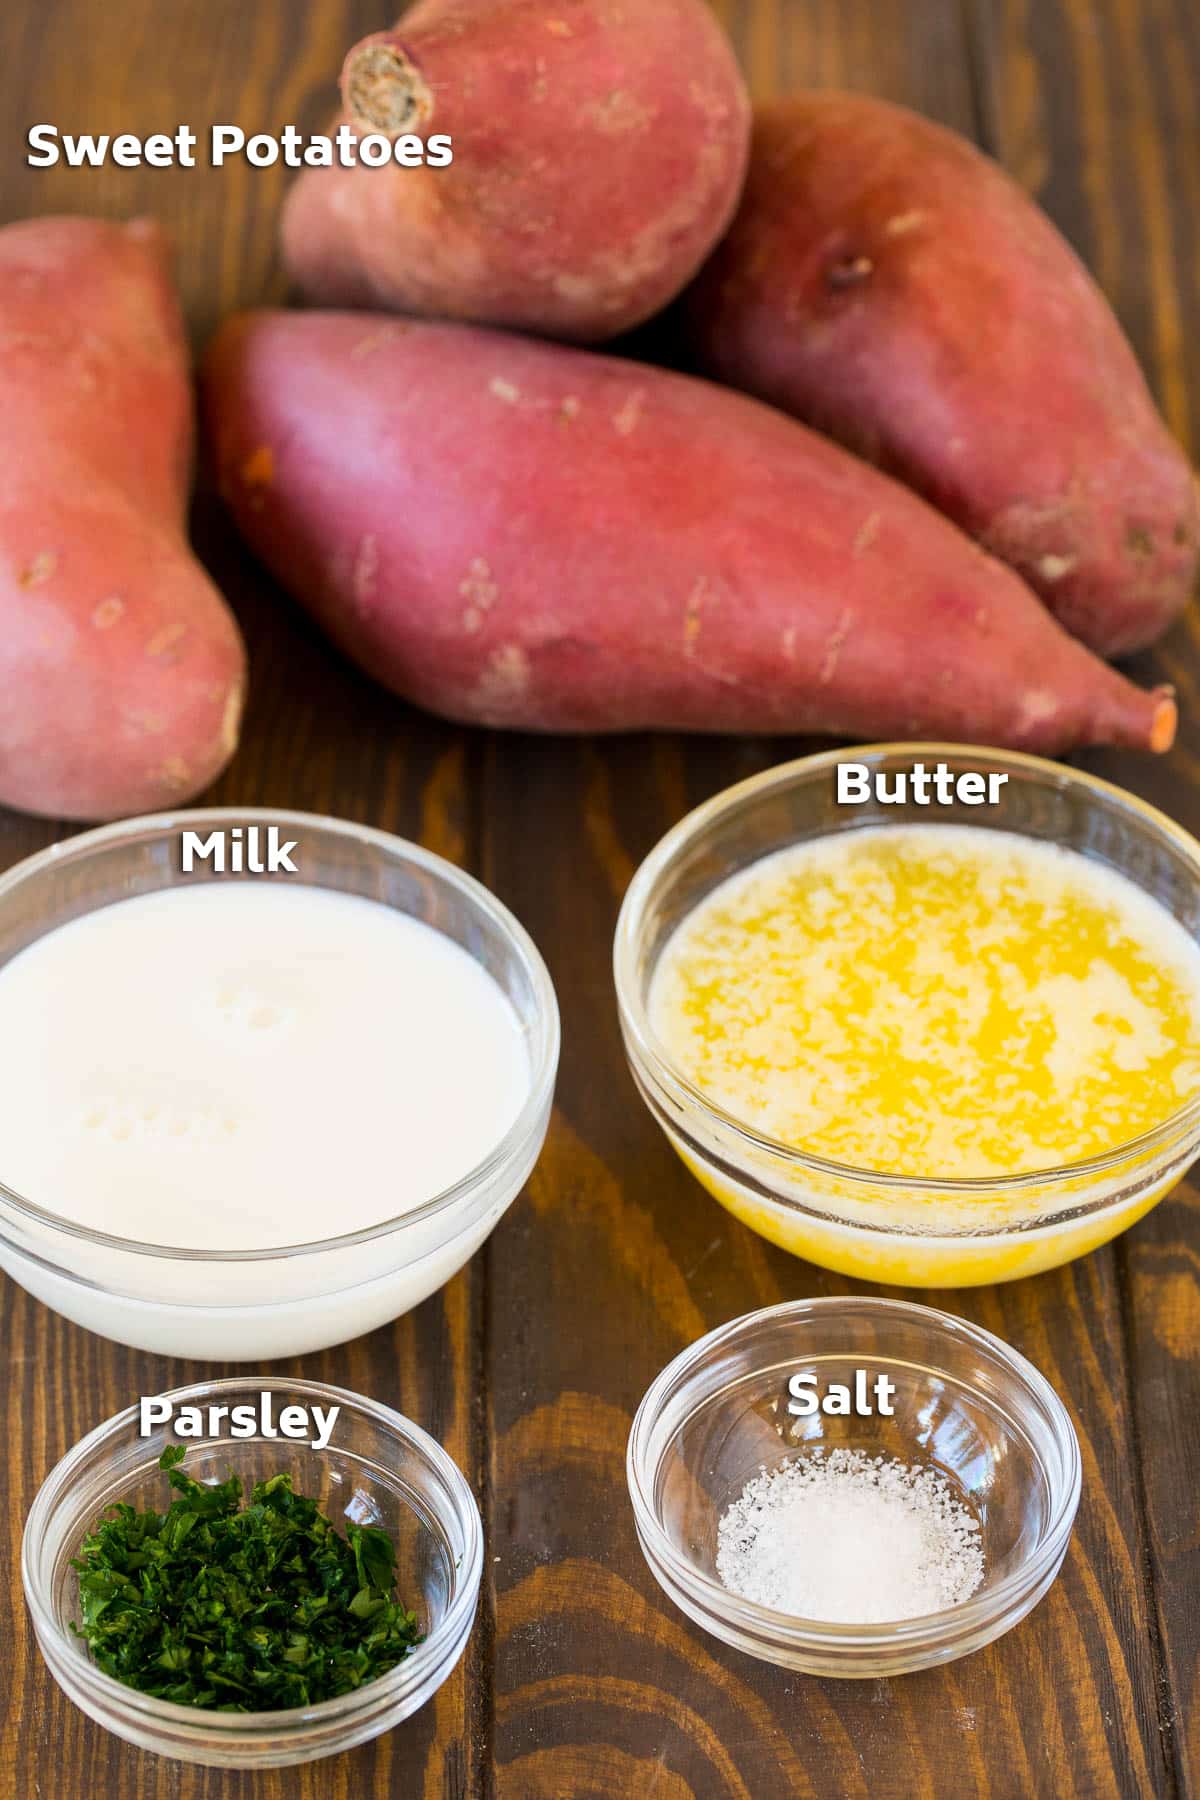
84 844
764 1622
193 1719
655 1063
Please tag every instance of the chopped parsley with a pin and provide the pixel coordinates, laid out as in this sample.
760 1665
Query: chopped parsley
241 1609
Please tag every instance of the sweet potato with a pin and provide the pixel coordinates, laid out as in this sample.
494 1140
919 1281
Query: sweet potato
122 668
599 148
886 282
524 535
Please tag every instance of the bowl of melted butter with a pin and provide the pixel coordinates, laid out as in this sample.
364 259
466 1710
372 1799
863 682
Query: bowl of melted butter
919 1039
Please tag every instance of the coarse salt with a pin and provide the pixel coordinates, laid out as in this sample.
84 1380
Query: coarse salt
850 1539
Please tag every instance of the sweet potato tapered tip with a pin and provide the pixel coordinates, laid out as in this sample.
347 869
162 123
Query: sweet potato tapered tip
1165 722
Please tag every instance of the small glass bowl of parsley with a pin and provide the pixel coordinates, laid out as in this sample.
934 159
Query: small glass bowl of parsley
252 1602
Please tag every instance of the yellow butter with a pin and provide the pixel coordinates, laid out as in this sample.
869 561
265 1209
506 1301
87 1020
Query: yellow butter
939 1002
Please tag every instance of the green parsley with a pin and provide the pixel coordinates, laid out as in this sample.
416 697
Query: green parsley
239 1609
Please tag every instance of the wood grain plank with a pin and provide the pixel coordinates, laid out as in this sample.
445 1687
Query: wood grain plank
913 52
530 1364
338 745
615 1263
143 67
319 737
1094 108
622 1238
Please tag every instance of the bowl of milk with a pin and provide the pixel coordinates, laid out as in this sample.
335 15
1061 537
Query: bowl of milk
267 1080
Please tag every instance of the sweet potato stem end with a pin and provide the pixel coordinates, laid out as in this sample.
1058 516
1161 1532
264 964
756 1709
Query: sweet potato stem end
384 90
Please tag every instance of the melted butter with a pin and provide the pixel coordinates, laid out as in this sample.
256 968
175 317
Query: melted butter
934 1001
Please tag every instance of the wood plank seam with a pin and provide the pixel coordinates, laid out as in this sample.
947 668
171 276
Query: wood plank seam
1163 1686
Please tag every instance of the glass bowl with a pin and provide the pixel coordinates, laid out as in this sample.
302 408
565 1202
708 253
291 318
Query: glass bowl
899 1229
378 1469
251 1305
965 1404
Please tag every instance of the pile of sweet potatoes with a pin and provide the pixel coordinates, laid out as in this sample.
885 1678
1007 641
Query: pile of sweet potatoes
974 501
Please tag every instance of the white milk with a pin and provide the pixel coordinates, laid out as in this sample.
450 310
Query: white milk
245 1066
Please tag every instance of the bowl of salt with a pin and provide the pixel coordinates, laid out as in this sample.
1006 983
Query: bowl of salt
853 1486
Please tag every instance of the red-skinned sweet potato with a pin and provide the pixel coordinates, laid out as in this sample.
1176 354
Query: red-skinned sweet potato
599 149
523 535
887 283
123 670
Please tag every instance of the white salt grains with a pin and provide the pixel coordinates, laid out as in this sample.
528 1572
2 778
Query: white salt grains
850 1539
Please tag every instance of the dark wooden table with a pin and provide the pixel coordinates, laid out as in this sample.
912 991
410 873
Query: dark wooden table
581 1680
